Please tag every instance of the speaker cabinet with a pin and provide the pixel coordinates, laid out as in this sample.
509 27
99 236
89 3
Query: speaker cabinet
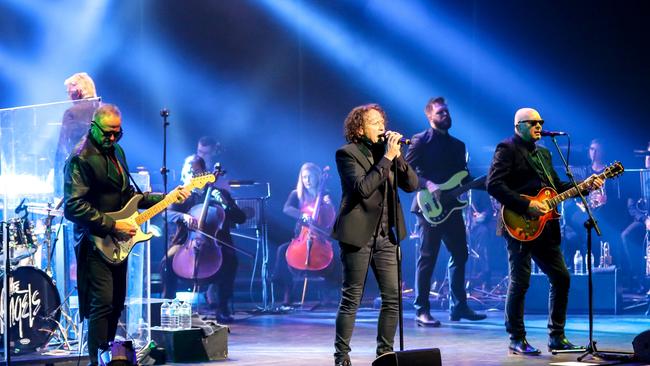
415 357
189 345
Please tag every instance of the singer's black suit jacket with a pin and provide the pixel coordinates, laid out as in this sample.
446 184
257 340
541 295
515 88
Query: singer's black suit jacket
361 179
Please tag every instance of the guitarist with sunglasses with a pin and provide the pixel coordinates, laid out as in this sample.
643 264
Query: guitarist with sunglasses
97 182
437 157
520 167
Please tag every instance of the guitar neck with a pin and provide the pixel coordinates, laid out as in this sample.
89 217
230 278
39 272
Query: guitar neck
157 208
555 201
462 189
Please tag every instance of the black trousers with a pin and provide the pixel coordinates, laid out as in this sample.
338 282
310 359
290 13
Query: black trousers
452 232
106 295
379 254
548 256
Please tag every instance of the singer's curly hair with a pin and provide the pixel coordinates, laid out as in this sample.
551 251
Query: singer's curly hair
354 121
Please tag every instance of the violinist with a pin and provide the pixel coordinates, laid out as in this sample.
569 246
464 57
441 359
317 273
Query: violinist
300 206
220 285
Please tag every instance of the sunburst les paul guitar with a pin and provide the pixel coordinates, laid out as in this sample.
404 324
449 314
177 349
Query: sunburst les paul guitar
114 250
527 228
437 211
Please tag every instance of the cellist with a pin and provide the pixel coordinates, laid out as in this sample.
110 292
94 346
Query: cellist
300 206
220 286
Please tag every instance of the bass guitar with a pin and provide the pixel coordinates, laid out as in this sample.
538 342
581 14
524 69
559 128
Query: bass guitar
436 211
114 250
527 228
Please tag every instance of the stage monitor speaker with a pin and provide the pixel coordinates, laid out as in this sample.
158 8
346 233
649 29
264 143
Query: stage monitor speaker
190 345
414 357
641 346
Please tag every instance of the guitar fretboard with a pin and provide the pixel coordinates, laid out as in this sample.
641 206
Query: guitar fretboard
155 209
555 201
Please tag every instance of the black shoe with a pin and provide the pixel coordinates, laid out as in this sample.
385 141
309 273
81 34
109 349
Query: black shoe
225 319
522 347
561 343
343 363
465 313
426 320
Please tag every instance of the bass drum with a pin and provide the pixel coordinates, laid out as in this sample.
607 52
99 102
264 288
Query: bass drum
35 309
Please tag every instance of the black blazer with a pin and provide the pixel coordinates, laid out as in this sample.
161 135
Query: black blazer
92 187
361 176
513 173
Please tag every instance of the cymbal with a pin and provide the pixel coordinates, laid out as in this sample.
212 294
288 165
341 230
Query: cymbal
641 152
45 211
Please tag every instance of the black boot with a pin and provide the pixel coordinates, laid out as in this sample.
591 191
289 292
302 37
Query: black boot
522 347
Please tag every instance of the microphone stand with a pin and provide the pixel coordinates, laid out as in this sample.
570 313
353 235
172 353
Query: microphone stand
398 255
164 113
590 224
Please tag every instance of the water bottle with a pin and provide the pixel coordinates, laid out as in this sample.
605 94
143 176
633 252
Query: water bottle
174 309
185 315
165 315
533 267
577 263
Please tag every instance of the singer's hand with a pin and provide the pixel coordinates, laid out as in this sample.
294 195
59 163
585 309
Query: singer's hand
392 145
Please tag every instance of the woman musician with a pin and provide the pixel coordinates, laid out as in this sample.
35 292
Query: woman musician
312 228
222 214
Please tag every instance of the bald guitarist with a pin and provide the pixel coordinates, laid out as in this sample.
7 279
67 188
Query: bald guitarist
519 168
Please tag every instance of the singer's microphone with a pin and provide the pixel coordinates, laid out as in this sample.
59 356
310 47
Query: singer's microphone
553 133
402 141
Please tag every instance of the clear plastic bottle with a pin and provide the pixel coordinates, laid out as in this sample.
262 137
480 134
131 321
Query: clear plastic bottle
165 315
174 310
533 267
185 315
577 263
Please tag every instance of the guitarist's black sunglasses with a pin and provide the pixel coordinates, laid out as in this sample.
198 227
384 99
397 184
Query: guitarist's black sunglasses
107 134
533 122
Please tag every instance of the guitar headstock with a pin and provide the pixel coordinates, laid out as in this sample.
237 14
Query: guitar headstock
200 180
614 170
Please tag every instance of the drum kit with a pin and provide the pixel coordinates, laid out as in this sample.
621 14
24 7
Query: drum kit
35 304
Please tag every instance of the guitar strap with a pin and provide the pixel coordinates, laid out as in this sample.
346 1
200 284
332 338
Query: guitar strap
119 154
535 155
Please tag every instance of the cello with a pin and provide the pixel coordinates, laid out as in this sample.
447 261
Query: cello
200 257
312 250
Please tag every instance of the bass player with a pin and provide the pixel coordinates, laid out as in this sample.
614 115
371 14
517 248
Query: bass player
436 157
520 167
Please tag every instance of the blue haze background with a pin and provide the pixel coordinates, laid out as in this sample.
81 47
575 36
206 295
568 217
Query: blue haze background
273 80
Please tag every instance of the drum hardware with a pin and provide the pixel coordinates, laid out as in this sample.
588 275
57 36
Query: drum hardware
38 301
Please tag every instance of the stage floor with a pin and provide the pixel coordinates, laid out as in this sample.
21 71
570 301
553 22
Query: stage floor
302 338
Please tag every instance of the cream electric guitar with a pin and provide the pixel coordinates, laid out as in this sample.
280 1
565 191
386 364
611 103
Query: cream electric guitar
115 251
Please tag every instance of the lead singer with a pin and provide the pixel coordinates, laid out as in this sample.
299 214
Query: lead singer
365 223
